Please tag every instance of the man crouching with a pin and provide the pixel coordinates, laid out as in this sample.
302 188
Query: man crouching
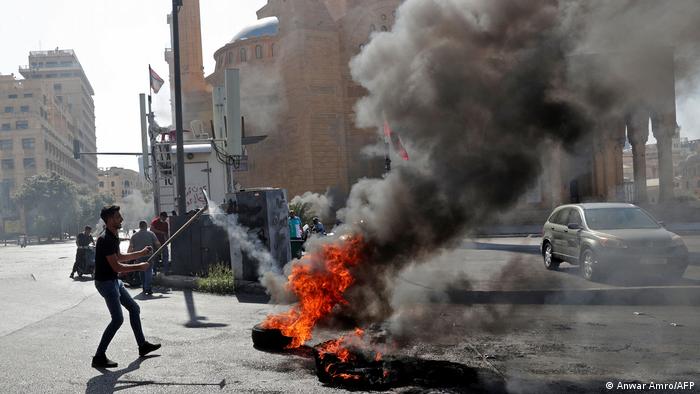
109 262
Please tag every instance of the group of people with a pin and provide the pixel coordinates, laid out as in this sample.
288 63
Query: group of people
298 233
154 238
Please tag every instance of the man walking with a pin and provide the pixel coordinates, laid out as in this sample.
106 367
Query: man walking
109 261
83 240
139 241
160 228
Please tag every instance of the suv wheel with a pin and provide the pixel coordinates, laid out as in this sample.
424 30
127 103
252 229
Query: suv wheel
550 262
590 268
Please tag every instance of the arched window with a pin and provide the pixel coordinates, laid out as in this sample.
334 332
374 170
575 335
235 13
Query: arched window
244 55
229 58
383 17
258 52
272 50
384 28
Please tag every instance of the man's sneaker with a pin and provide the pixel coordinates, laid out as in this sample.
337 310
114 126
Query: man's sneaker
148 347
103 362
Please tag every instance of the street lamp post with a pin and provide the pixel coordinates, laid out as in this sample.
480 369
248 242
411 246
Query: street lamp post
180 170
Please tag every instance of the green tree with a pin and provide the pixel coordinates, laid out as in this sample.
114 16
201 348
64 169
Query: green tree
50 204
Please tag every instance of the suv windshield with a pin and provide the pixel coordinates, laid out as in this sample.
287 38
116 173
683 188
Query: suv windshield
618 219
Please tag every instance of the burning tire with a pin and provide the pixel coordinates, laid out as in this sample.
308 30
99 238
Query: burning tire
269 339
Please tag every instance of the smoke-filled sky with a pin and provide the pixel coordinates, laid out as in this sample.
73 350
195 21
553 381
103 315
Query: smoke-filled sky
115 42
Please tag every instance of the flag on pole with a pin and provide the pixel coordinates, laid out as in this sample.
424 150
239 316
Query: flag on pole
393 138
156 81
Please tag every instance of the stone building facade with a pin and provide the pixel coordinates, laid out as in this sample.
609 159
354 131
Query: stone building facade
40 117
297 90
119 182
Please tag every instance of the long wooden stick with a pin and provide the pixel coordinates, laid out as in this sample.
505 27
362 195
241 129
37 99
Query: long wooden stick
181 229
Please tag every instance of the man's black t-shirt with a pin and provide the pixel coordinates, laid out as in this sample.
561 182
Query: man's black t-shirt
107 245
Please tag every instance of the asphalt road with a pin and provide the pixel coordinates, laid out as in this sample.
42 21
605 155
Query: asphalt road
51 326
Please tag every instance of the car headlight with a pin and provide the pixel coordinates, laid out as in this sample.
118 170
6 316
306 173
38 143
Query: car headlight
677 241
612 243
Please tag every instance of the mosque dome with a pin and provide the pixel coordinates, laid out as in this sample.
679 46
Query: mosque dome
262 27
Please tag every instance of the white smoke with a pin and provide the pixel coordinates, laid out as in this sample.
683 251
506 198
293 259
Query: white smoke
135 208
240 237
318 204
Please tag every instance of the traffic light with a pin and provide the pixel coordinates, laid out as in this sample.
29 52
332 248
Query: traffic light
76 149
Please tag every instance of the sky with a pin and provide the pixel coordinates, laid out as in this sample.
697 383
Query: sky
115 42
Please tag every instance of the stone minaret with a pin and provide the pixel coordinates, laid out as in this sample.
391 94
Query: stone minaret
196 93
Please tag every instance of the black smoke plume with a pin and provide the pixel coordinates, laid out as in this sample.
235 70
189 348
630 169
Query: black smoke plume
479 91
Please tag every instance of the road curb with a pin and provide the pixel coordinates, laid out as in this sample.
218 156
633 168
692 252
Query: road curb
183 282
655 295
176 281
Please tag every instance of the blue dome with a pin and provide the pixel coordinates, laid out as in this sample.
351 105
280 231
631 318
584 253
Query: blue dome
262 27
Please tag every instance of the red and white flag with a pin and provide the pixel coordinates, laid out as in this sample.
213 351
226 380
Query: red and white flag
393 138
156 81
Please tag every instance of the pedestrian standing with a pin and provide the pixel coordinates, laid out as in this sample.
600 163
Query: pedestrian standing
139 241
160 227
109 262
83 240
295 234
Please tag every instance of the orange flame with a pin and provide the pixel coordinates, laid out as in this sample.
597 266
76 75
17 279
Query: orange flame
319 281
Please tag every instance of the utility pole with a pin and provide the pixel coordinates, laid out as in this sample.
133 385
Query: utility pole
180 157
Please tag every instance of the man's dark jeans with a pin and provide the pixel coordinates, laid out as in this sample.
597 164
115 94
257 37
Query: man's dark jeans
115 295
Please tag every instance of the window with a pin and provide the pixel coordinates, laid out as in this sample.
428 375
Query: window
229 58
22 124
244 55
272 50
28 143
126 183
29 163
112 183
383 17
560 217
5 145
384 28
9 110
102 184
57 86
6 126
7 164
575 217
258 52
12 96
24 108
27 95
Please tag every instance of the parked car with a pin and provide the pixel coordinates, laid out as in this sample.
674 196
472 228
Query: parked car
603 237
